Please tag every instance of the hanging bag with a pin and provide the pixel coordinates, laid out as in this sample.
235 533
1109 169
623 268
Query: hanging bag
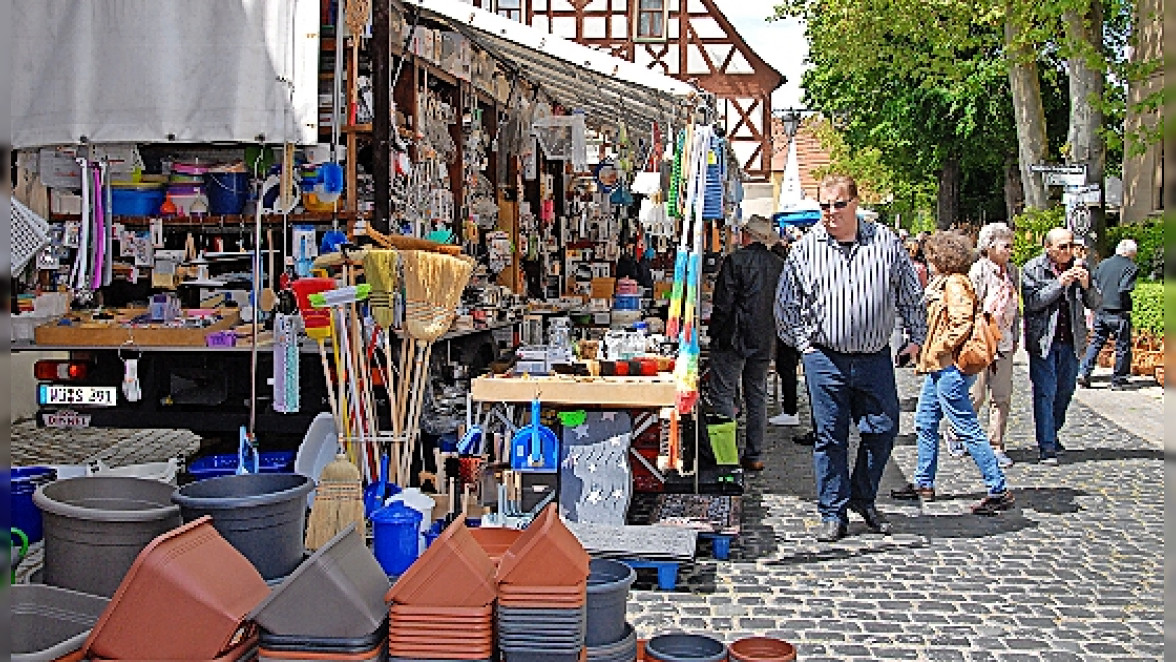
979 350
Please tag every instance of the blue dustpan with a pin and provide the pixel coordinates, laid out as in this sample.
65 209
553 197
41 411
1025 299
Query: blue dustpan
534 447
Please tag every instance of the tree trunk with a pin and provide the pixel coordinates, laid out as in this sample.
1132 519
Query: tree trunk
1028 114
1087 85
948 207
1014 194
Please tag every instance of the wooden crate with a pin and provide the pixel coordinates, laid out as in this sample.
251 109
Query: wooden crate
87 332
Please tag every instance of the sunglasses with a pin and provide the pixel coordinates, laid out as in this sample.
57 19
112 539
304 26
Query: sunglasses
1066 246
839 205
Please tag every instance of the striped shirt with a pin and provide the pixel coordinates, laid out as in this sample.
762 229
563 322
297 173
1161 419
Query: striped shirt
845 296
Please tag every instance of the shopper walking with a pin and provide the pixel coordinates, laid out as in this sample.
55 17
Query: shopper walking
1056 291
995 279
840 290
787 359
951 311
742 334
1115 279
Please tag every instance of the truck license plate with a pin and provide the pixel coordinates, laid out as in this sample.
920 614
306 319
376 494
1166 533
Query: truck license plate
67 419
93 396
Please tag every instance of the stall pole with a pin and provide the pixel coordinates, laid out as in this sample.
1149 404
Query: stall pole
381 116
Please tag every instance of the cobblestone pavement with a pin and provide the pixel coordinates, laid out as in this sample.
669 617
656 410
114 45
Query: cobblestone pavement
1074 572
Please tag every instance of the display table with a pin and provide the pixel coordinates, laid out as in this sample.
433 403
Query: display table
635 392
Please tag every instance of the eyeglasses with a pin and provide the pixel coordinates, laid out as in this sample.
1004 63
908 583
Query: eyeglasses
839 205
1067 245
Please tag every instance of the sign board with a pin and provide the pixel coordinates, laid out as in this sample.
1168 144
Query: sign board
1089 195
1051 178
1064 169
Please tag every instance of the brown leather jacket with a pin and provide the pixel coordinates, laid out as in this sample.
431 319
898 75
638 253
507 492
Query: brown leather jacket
951 308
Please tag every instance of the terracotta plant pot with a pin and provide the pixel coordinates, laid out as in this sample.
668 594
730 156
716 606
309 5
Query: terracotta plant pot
762 649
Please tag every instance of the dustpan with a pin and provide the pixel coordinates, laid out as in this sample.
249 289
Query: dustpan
186 597
534 447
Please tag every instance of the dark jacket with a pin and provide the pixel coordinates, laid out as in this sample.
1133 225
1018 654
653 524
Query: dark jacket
742 320
1116 280
1042 294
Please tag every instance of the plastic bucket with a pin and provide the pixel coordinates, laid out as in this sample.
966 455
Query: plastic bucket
227 192
131 202
49 623
95 527
680 647
395 537
24 482
722 440
608 592
262 515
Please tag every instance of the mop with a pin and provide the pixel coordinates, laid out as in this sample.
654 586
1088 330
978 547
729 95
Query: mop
433 284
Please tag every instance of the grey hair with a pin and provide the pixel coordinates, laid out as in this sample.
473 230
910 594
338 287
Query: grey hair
1127 248
990 234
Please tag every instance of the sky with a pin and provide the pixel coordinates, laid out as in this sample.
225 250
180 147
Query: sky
781 44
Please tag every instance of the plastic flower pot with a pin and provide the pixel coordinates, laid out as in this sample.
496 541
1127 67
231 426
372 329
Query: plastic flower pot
680 647
48 623
608 594
762 649
453 572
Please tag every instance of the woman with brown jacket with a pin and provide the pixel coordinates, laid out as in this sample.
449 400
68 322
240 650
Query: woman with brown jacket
951 309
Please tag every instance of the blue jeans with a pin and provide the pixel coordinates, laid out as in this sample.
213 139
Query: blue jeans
845 387
1053 378
729 371
1107 324
945 393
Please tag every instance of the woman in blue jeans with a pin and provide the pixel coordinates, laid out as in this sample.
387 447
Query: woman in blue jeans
951 306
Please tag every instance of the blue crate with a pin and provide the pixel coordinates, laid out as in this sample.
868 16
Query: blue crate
215 466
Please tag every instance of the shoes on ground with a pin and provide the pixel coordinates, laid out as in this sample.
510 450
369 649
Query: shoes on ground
994 503
1050 459
751 465
784 419
1118 386
955 445
1084 381
1003 460
911 492
874 519
807 439
831 531
1058 447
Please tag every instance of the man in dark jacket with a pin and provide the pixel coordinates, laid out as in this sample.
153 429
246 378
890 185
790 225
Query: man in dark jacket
743 333
1056 292
1115 278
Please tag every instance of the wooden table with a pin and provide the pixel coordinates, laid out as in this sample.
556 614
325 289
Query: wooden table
635 392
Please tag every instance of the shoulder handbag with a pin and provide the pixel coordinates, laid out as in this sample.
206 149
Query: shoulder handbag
979 349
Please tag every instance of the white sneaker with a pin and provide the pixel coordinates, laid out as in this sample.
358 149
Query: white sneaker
784 419
1003 460
955 445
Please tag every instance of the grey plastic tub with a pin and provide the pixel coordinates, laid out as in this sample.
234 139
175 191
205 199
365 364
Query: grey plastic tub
608 593
681 647
95 526
337 593
262 515
49 622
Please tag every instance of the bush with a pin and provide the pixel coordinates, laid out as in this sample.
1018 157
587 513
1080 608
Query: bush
1147 308
1029 231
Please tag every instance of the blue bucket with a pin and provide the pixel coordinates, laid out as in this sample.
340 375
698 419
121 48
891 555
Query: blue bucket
25 514
227 192
396 531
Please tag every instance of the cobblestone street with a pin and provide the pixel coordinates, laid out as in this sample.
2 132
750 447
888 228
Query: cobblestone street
1073 572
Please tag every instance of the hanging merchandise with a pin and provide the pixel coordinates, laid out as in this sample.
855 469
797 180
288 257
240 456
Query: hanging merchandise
716 165
286 367
306 249
563 138
500 250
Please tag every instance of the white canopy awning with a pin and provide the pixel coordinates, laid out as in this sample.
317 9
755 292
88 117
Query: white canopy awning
603 86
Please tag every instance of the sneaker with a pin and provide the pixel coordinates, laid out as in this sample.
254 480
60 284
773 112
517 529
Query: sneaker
1049 459
1118 386
1003 460
955 445
1084 381
784 419
994 503
1058 447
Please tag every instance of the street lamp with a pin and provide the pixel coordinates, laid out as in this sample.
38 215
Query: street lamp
791 120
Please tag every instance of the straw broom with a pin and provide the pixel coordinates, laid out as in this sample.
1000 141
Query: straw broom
433 284
379 267
338 502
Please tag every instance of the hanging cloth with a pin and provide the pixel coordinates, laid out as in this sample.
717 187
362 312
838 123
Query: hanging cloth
712 208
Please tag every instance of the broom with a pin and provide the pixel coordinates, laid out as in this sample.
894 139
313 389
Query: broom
338 502
433 284
379 267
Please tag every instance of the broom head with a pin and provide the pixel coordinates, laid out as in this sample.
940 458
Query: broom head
433 284
338 502
379 267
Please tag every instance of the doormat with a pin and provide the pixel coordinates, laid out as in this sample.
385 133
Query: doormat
710 513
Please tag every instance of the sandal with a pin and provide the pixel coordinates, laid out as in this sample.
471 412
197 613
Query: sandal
910 492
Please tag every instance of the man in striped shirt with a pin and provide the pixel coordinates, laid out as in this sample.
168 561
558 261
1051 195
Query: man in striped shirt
836 302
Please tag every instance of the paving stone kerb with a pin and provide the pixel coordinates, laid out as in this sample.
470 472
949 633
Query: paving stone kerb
1074 572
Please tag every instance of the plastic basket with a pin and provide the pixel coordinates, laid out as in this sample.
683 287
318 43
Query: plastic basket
30 233
215 466
722 439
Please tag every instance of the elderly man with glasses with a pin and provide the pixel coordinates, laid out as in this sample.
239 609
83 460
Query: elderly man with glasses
840 290
1056 289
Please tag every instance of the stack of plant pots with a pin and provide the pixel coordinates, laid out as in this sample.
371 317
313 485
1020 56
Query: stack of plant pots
609 637
330 608
442 607
542 594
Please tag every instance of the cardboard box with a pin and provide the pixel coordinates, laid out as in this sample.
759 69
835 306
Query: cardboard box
87 332
603 288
